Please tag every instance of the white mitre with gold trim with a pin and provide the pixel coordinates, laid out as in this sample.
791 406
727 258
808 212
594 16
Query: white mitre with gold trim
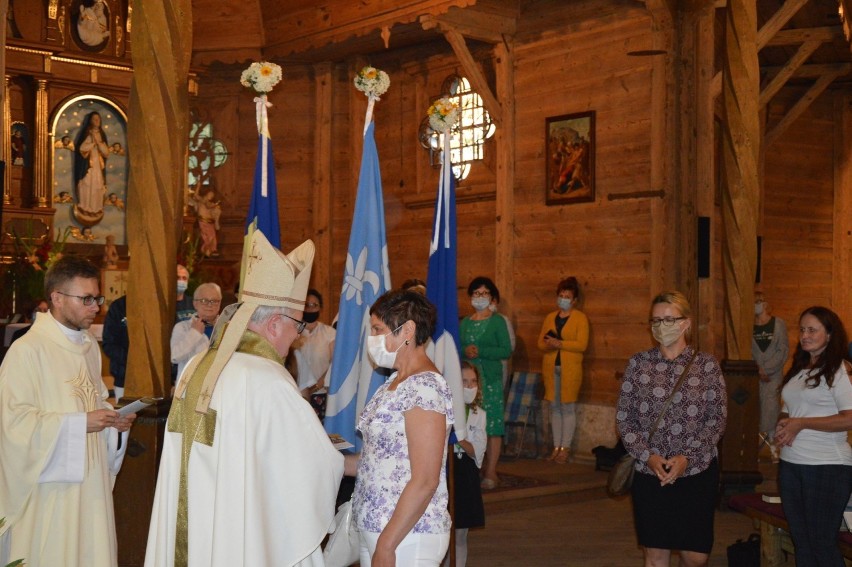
269 278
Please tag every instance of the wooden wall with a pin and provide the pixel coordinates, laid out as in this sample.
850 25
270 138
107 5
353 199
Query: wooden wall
798 265
580 64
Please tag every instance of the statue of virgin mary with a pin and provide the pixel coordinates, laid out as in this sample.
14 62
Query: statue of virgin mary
92 150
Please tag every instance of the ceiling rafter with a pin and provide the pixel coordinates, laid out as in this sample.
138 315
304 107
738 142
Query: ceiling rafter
472 24
812 71
771 34
475 75
801 105
778 20
799 35
482 25
780 79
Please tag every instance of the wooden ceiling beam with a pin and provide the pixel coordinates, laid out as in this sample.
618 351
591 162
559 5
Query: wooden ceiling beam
778 20
812 71
796 61
472 24
474 74
310 26
800 107
801 35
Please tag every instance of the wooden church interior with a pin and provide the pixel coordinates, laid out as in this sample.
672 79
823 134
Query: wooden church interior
722 161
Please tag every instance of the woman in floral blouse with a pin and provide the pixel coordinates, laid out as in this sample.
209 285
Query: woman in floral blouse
677 474
400 500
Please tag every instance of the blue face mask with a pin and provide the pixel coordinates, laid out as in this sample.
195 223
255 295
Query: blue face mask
480 303
181 287
564 303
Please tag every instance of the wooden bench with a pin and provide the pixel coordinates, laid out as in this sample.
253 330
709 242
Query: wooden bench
773 528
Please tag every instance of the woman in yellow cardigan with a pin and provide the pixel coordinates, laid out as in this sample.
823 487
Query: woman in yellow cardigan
564 337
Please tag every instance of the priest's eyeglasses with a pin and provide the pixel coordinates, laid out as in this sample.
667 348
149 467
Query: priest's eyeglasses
300 325
86 299
665 321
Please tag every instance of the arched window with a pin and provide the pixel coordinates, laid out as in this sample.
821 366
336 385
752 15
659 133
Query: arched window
468 135
205 153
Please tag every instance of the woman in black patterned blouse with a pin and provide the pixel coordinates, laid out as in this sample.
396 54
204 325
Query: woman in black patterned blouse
677 475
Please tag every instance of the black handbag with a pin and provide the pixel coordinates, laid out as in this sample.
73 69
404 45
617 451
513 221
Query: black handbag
745 553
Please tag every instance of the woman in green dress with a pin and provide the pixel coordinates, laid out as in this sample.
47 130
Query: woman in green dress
485 343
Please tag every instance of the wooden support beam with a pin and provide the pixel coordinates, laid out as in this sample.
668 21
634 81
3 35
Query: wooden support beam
741 191
662 270
504 233
813 70
801 105
801 35
778 81
159 110
778 20
473 24
311 25
474 74
323 152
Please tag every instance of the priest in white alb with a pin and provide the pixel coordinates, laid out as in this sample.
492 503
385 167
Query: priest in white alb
248 475
59 438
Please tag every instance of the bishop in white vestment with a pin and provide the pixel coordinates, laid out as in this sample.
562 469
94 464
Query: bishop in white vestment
248 476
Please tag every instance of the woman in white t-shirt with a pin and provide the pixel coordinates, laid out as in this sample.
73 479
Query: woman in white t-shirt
815 473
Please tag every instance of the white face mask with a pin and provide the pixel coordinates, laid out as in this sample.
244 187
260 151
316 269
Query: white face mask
480 303
378 350
470 395
758 308
564 303
667 336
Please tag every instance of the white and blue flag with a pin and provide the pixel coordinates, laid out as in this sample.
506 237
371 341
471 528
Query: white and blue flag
353 379
441 289
263 209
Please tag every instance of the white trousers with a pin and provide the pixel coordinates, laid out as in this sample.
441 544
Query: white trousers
420 550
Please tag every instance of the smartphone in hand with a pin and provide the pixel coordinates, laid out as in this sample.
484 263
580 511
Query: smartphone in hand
552 334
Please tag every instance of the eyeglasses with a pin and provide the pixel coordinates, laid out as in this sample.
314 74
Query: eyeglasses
666 321
300 325
208 302
86 299
481 294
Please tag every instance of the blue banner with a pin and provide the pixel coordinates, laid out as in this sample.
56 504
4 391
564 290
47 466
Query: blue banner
352 379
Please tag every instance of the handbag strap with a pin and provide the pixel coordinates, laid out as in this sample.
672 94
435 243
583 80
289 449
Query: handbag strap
672 395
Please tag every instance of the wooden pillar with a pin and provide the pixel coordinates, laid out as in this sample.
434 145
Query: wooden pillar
663 272
41 143
321 218
6 132
705 162
504 245
158 135
740 196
